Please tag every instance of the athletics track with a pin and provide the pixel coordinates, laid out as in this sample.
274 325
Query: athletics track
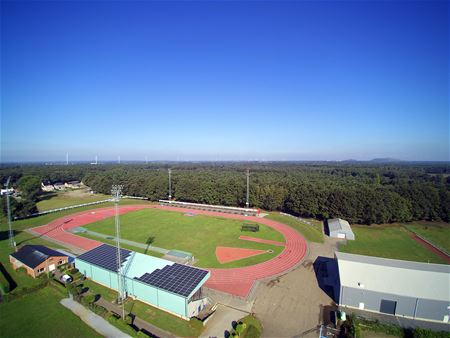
235 281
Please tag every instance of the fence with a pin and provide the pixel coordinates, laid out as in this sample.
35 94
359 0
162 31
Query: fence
62 209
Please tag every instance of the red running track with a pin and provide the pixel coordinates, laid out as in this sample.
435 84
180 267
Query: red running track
236 281
57 228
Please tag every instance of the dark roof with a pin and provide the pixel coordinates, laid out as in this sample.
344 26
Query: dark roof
176 278
105 256
33 255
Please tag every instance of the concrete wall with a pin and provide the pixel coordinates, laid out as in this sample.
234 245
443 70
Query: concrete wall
406 306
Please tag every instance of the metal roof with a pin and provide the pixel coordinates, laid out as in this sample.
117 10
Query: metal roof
337 224
393 276
33 255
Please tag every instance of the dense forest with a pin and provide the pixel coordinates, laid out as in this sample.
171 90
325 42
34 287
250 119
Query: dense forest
361 192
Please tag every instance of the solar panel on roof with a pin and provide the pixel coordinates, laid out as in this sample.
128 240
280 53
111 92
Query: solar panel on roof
105 256
176 278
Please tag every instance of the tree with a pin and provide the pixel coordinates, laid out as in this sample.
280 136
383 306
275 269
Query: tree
29 187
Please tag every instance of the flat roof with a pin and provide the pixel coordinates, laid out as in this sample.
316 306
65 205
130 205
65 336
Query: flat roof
394 276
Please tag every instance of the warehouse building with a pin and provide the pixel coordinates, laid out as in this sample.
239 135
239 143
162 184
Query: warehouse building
339 228
394 287
170 286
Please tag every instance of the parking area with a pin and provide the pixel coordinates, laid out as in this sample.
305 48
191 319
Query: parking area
293 304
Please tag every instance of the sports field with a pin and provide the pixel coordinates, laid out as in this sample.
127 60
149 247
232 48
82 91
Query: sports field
390 242
54 200
437 233
198 234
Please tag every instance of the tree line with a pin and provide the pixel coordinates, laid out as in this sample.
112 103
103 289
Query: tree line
361 192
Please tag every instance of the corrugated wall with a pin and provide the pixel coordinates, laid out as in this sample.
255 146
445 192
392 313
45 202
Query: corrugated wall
406 306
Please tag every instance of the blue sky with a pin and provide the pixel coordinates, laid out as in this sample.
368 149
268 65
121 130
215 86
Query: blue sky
225 80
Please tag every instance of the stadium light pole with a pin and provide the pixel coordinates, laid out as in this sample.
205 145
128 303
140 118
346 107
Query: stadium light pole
170 184
116 191
12 242
248 186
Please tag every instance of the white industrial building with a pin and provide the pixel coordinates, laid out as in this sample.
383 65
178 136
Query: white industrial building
339 228
394 287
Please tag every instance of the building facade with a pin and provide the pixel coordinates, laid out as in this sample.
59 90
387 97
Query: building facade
170 286
394 287
37 259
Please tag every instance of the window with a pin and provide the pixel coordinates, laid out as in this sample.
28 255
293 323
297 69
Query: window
60 262
40 270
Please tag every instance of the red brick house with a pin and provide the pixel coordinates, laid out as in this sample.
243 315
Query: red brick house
37 259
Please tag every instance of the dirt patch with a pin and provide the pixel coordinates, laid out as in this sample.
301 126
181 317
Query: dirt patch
227 254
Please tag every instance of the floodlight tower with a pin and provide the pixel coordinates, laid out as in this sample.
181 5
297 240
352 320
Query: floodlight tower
248 186
116 191
170 184
12 242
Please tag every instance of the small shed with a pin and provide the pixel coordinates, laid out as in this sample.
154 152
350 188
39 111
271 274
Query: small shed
37 259
339 228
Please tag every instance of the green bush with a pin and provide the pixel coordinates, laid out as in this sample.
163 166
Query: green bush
424 333
74 271
89 299
251 332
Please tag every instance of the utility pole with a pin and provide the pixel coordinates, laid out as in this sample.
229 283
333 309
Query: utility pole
170 184
116 191
12 242
248 187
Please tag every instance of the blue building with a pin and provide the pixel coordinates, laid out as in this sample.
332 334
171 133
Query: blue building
170 286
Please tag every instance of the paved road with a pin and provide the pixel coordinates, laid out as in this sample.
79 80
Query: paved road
95 321
141 324
292 304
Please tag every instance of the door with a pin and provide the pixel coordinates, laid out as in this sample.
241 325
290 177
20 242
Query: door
51 267
361 306
388 306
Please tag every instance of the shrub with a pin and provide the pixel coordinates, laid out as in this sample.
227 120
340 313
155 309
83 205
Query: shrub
74 271
252 332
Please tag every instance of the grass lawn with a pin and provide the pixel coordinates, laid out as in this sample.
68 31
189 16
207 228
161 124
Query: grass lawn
437 233
54 200
251 332
44 219
311 233
164 320
106 293
157 317
39 314
199 235
390 242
